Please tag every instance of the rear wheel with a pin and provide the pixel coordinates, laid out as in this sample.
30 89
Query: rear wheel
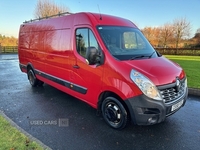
32 78
114 113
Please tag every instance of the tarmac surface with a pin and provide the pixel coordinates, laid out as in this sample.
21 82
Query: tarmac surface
61 121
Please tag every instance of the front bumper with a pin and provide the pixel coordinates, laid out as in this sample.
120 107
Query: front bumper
146 111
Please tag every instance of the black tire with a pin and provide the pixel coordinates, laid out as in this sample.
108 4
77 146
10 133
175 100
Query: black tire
114 113
32 78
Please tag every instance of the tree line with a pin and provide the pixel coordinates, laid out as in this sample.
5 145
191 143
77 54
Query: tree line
8 41
176 35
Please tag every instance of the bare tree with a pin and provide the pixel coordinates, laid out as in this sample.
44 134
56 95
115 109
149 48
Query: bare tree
152 34
48 8
166 33
197 34
197 38
147 32
182 29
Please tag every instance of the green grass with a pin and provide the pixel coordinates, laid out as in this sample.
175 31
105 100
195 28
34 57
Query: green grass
191 65
12 139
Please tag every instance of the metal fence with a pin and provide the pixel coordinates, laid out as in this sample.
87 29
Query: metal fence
179 51
8 49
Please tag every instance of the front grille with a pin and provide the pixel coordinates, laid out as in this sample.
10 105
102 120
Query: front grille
171 93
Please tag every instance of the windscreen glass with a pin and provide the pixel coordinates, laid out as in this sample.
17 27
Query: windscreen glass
126 43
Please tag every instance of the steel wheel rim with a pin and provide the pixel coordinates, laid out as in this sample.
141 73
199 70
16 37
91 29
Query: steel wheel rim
31 78
113 113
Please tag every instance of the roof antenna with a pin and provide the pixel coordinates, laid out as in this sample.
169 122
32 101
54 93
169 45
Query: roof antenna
99 13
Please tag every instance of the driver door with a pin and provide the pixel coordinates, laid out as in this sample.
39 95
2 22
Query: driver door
88 77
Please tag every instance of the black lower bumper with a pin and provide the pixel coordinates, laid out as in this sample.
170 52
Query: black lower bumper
23 68
146 111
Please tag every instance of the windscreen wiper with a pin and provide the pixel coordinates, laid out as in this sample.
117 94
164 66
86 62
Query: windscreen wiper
140 56
151 54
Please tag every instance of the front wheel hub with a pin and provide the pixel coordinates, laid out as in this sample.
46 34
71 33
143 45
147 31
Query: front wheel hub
112 113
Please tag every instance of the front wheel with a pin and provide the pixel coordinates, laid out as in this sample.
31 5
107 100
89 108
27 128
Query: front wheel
114 113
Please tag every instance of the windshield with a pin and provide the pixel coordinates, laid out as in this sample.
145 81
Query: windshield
126 43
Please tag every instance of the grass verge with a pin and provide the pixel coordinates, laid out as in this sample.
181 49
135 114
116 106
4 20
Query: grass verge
191 65
13 139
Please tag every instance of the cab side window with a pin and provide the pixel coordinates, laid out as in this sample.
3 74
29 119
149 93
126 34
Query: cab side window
85 39
92 40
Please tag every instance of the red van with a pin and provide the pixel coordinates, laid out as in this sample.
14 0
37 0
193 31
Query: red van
106 62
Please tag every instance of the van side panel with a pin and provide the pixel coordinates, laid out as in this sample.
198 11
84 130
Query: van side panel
31 46
57 47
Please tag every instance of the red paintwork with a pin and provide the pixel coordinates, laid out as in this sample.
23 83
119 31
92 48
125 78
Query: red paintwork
49 45
159 70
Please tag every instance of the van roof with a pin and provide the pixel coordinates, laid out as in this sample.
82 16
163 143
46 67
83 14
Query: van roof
104 19
85 18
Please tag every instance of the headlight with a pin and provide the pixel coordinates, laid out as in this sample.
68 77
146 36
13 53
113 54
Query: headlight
145 85
186 83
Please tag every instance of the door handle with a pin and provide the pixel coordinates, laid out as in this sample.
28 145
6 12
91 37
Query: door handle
76 67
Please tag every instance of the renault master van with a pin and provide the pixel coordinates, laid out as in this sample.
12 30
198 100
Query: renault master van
106 62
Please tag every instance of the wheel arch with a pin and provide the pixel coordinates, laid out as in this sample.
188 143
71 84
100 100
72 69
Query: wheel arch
106 94
30 66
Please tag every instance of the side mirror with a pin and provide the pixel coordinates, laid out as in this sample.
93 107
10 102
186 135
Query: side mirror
93 56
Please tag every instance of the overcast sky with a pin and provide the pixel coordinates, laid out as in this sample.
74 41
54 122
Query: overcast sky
142 12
